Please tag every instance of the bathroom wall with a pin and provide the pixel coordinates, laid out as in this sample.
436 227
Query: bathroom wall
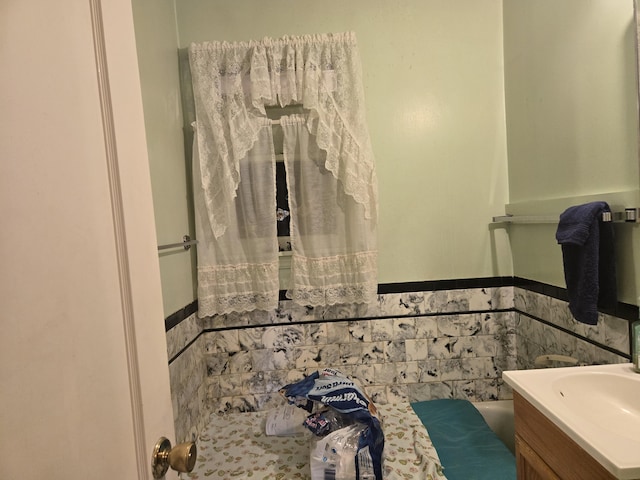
434 92
433 74
187 375
410 346
433 81
570 97
436 118
572 125
156 40
544 326
434 85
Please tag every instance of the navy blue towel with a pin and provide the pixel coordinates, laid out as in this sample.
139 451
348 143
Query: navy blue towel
588 259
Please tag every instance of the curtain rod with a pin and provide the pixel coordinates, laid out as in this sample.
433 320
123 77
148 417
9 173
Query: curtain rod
629 215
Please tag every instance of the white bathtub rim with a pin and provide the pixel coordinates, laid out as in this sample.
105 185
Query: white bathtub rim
499 416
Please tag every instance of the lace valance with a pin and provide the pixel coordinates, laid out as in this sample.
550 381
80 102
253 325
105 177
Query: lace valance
329 166
233 82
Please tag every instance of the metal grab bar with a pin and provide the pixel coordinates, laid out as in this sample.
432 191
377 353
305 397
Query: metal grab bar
186 244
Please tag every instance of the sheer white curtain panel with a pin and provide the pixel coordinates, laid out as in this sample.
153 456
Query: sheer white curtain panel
334 255
238 271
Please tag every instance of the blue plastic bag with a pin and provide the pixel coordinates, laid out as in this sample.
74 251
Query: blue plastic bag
331 388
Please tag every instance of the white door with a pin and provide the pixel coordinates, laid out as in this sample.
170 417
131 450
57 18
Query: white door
84 384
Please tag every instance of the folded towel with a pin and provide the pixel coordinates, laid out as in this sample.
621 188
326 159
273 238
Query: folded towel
588 259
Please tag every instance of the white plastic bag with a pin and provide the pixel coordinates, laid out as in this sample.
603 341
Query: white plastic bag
333 456
353 452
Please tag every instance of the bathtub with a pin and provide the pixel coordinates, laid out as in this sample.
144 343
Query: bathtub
499 416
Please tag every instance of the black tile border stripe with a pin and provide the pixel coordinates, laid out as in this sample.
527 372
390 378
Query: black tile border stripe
336 320
186 347
435 285
577 335
622 310
359 319
177 317
453 284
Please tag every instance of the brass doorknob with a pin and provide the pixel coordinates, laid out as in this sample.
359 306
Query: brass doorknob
181 458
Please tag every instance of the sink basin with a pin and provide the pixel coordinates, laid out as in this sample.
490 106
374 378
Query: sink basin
597 406
608 400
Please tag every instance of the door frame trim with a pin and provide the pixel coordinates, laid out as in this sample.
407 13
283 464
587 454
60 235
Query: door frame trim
120 238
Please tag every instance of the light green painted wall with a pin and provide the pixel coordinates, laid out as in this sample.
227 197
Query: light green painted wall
570 91
434 93
433 73
156 39
572 125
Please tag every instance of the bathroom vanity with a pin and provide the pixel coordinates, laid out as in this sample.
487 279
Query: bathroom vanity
577 423
545 452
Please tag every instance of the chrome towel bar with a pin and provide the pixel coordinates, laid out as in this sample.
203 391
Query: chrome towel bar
629 215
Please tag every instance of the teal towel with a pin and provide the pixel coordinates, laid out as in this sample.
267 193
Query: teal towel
467 447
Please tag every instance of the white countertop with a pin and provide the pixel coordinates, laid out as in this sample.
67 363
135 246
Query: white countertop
597 406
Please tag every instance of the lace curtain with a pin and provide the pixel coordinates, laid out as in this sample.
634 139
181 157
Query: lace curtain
330 173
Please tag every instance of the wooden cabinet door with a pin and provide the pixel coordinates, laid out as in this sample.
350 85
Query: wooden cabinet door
529 465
